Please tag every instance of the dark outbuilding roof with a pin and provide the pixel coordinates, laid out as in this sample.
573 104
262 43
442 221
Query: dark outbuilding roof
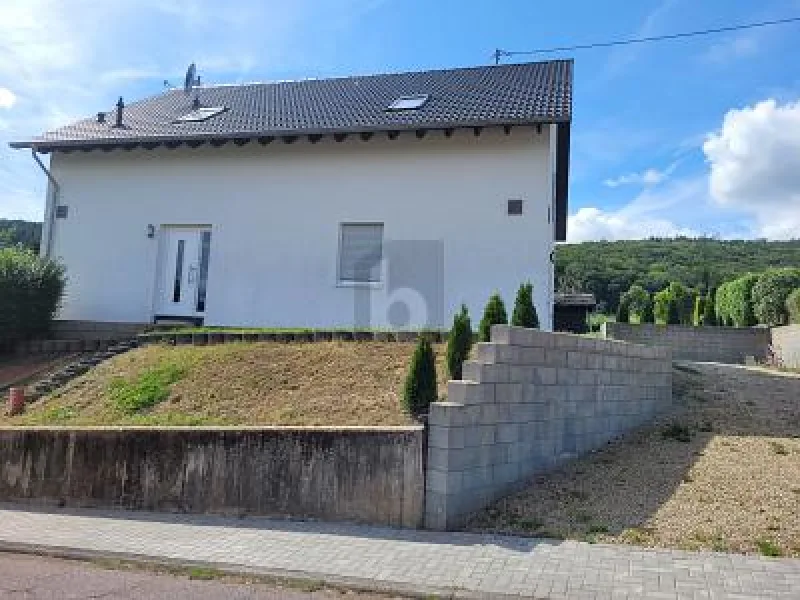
514 94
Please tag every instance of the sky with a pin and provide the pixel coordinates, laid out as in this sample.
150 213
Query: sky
698 136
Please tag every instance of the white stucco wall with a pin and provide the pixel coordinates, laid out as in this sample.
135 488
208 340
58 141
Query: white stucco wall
275 213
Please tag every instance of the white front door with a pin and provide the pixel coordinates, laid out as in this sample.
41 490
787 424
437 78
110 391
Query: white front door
184 271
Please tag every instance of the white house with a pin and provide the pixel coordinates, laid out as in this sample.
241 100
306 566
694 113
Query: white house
382 200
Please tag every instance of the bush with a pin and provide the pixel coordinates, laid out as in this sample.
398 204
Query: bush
699 310
734 302
459 342
770 292
493 314
709 315
683 301
638 299
661 302
31 289
524 314
420 386
793 307
623 310
647 315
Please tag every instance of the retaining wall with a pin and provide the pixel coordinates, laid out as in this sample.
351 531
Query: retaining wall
529 401
368 475
732 345
95 330
786 345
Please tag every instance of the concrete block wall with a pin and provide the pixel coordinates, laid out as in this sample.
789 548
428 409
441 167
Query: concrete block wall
732 345
786 345
95 330
529 401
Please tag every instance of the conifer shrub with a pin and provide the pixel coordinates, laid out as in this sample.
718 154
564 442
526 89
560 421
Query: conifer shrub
770 292
793 307
709 314
493 314
420 386
524 314
459 342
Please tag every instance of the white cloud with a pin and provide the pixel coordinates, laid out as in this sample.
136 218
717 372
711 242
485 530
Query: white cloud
648 177
591 223
7 98
755 166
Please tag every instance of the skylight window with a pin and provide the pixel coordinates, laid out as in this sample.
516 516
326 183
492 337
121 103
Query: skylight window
408 102
200 114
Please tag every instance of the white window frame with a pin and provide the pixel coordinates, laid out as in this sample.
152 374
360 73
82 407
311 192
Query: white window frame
351 283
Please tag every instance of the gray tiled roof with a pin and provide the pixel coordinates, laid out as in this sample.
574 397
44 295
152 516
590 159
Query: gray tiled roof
490 95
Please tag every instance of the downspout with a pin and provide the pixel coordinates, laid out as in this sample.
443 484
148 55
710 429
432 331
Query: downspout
53 190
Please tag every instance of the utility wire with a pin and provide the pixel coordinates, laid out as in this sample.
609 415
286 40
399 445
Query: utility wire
499 53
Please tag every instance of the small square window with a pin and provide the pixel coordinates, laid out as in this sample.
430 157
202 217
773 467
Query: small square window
515 207
61 211
360 252
408 102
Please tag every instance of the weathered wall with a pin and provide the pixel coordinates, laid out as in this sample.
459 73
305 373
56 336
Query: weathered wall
370 475
95 330
529 401
715 344
786 345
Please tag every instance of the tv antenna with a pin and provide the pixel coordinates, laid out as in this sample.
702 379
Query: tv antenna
191 82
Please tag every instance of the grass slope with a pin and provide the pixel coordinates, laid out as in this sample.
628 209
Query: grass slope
328 383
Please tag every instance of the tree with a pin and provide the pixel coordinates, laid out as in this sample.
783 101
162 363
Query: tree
770 292
623 310
638 299
682 298
459 342
699 310
793 307
673 312
420 386
648 316
493 314
709 314
524 314
661 303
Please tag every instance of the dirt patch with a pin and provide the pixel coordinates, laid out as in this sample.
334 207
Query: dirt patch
21 370
326 383
732 485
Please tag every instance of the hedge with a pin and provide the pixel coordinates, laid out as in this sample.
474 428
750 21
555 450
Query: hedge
793 307
31 289
770 292
734 302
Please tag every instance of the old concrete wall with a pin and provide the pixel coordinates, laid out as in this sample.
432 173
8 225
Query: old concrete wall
529 401
786 345
95 330
369 475
715 344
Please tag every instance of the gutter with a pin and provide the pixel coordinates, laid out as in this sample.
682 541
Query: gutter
53 190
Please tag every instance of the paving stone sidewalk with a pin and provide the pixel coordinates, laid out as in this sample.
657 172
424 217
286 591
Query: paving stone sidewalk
402 561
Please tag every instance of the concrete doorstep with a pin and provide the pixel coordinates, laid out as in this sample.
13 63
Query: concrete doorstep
407 562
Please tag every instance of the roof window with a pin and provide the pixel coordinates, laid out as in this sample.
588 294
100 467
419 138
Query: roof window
408 102
200 114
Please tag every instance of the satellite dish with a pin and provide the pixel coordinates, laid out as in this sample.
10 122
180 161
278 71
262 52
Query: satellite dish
191 80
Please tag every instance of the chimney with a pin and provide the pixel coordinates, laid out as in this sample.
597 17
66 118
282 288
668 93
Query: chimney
101 117
120 108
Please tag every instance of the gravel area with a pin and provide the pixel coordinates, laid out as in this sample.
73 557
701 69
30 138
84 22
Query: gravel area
720 472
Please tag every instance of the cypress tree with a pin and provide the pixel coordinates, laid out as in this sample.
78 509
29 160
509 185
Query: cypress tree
493 314
524 314
624 310
420 386
709 314
647 316
459 342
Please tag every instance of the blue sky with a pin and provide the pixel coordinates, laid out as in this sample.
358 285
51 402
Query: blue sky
697 136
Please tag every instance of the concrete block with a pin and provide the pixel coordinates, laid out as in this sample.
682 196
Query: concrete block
521 373
488 415
478 477
553 393
581 394
576 360
532 356
544 375
587 377
445 414
445 437
493 352
520 336
487 434
508 393
470 392
555 357
566 376
508 433
445 482
485 373
530 393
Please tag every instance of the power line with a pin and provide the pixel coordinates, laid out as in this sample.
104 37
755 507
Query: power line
499 53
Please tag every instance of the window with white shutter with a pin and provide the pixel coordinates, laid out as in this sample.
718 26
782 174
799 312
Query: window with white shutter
360 252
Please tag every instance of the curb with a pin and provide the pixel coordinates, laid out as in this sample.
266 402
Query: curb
357 584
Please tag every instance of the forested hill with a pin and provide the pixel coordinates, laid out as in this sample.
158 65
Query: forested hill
25 233
609 268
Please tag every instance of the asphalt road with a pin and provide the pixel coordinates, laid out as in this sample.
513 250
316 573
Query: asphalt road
39 578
